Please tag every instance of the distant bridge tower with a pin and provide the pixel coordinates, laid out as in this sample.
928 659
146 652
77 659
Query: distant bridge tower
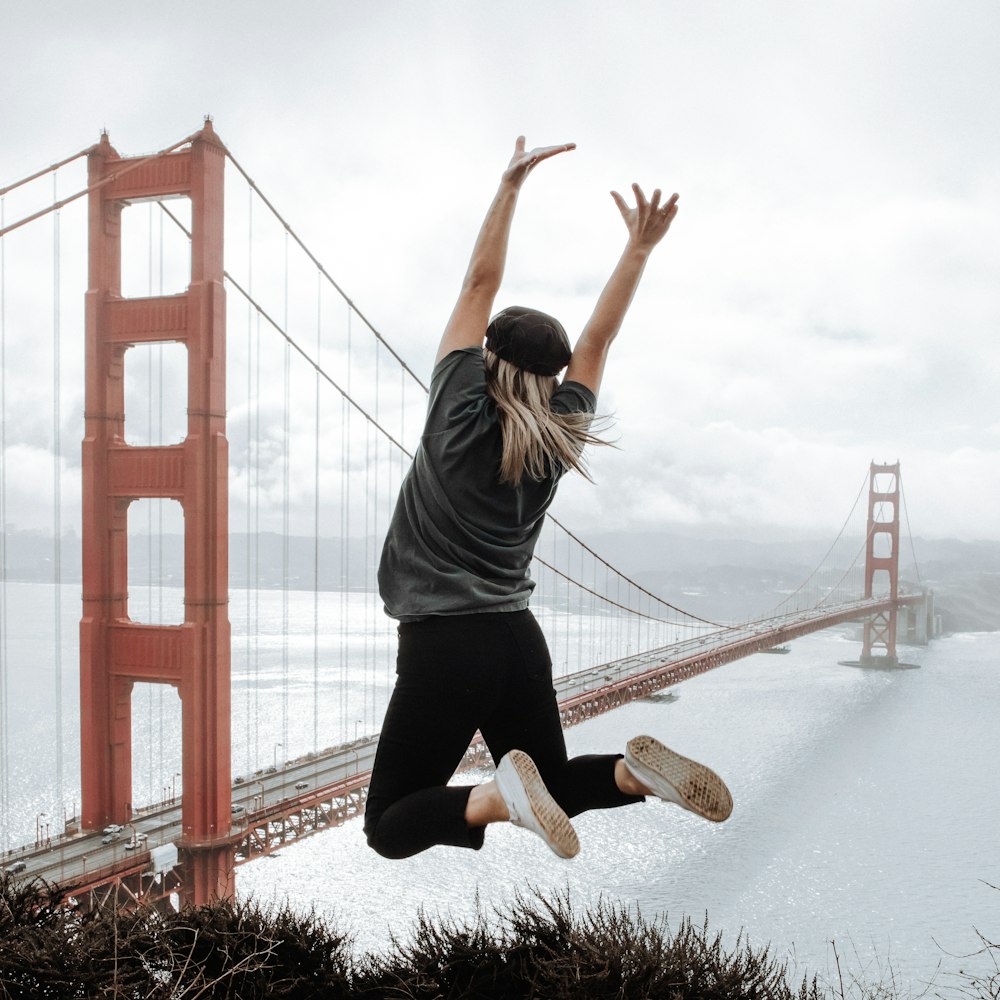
882 558
115 652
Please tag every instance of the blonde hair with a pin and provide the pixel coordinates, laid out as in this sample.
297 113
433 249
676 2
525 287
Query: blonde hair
535 439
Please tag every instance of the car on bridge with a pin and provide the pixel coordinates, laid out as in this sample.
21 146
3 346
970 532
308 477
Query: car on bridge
16 868
109 838
237 809
139 840
112 828
300 785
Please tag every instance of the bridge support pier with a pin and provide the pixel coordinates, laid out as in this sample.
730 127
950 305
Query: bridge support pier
207 874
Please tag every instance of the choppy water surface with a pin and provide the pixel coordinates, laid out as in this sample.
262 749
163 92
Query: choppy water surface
867 813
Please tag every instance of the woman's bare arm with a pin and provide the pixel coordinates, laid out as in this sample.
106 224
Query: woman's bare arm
647 224
471 315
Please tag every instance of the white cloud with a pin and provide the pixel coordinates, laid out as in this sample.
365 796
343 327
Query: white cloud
827 295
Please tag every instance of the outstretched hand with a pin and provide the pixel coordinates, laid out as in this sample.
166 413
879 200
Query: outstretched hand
649 221
522 163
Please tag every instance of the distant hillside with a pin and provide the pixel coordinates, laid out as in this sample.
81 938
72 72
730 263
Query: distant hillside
737 578
718 578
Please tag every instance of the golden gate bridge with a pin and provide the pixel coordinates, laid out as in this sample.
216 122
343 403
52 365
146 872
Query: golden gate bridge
243 397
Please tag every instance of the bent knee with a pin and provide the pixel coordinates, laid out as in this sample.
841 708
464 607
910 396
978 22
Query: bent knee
383 845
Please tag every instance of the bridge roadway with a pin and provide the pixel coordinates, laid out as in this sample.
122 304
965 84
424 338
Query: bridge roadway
316 791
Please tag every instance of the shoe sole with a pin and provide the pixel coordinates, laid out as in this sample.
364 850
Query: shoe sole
555 826
698 787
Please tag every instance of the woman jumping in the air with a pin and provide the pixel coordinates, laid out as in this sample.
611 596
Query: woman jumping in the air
500 432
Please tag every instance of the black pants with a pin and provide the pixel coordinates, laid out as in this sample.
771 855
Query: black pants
457 674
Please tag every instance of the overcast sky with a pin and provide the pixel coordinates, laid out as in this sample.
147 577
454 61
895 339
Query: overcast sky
828 294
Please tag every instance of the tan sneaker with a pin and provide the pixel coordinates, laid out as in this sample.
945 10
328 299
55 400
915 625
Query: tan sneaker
532 807
676 779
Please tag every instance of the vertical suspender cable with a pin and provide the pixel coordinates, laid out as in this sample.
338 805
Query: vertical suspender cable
319 347
345 622
558 602
367 578
579 616
149 507
909 534
57 497
373 597
593 601
256 551
159 509
4 720
609 613
248 760
285 483
250 689
617 623
344 416
568 612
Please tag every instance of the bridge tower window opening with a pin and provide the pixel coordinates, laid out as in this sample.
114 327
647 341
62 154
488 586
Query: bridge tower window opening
154 249
882 544
156 745
881 583
156 385
156 561
884 482
884 511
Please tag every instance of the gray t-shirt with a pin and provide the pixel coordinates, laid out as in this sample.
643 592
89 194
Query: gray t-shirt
461 541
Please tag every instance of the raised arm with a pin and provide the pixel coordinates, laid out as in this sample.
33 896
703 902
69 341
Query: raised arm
471 315
647 224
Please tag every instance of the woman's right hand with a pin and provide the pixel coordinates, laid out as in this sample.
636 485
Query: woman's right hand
649 221
522 163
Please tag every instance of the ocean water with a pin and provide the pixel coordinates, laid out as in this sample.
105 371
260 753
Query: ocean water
867 819
867 814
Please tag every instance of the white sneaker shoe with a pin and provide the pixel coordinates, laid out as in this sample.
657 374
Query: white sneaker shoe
531 806
676 779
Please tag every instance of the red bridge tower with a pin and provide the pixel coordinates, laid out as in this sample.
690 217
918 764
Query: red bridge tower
115 652
882 557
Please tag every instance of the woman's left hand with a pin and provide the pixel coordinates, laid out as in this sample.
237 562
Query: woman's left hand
522 163
648 222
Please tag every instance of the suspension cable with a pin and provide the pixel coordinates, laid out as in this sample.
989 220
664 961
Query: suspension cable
298 348
109 179
637 586
41 173
291 232
849 569
826 556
